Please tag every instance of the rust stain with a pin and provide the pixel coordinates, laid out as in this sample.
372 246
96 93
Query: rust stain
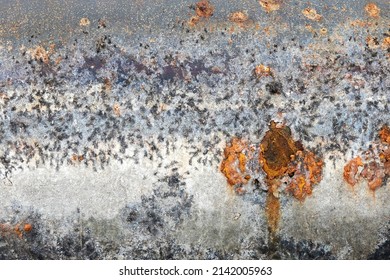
277 150
84 22
193 21
263 71
204 9
351 169
240 18
372 10
384 134
376 166
311 14
233 165
77 158
18 229
270 5
386 43
117 109
272 211
307 170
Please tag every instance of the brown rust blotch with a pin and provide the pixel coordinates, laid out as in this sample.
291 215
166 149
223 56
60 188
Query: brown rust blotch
351 170
372 10
277 150
270 5
233 165
204 9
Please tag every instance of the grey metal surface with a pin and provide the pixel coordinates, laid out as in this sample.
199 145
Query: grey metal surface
113 132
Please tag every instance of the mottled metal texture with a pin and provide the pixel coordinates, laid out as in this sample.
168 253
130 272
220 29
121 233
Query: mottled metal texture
115 115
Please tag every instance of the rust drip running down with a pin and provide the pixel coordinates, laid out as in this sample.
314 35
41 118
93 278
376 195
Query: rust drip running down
272 212
375 165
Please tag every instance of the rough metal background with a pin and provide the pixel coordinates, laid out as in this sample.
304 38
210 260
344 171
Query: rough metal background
112 133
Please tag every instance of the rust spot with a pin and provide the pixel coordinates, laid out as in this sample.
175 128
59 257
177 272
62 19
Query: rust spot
27 227
374 175
204 9
193 21
262 71
376 165
239 17
84 22
233 165
40 54
351 169
384 134
277 150
372 10
77 158
386 43
372 42
117 109
307 170
18 229
311 14
270 5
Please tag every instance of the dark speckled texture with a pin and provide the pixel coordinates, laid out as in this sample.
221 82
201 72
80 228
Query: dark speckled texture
111 143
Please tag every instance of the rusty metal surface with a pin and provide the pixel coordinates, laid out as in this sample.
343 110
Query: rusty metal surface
174 129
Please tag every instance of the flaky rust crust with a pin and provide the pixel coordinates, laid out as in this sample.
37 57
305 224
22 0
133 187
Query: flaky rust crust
277 150
233 165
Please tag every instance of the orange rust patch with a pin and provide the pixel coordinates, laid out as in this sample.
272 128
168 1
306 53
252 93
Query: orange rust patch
277 150
84 22
351 169
77 158
40 54
193 21
384 134
238 17
311 14
204 9
270 5
372 10
233 165
280 156
18 229
386 43
27 227
374 174
263 71
377 165
117 109
372 42
307 172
